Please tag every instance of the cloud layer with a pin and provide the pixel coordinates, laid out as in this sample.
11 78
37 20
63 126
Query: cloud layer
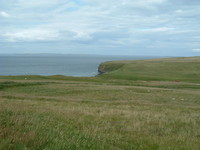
4 14
139 27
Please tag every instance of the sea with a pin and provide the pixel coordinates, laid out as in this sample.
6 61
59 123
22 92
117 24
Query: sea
57 64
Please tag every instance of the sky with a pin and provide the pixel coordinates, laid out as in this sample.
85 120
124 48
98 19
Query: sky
108 27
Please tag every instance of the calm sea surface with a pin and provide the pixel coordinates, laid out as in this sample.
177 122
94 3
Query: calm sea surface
69 65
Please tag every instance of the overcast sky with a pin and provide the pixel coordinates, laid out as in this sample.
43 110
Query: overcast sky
119 27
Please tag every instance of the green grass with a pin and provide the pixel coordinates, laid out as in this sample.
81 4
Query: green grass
109 111
168 69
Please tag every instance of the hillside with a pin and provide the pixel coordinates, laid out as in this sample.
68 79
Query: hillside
167 69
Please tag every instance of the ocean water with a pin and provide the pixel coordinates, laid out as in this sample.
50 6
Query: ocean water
68 65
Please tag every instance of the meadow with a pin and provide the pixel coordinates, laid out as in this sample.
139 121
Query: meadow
133 105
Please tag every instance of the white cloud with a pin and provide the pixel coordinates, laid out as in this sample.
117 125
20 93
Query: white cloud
144 2
159 29
178 11
103 22
38 3
196 50
123 2
55 32
4 14
31 35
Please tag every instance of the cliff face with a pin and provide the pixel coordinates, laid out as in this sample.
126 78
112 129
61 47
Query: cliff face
101 69
109 66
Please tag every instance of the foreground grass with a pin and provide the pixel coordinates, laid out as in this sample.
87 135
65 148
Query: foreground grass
98 113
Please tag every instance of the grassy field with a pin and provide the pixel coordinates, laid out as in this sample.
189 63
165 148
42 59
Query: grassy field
135 105
168 69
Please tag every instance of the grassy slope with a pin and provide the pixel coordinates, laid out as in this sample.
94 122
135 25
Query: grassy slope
104 112
168 69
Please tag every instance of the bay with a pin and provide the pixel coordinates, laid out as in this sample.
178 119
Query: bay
49 64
